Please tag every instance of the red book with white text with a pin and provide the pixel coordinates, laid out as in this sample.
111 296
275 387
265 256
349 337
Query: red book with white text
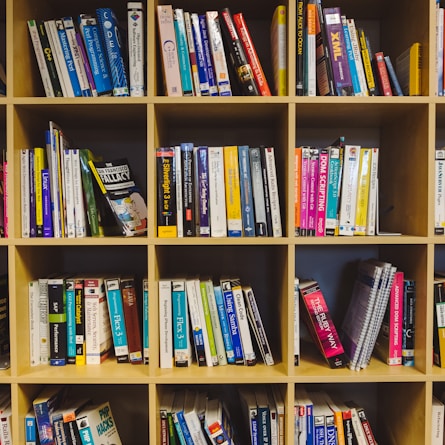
384 82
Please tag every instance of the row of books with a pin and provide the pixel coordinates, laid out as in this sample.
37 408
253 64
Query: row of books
90 57
217 191
324 418
336 190
380 318
59 416
215 323
212 54
70 192
84 319
251 414
334 57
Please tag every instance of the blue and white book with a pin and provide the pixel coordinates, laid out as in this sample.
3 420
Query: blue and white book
224 323
96 54
213 87
247 205
30 428
200 59
180 319
202 162
351 59
183 53
112 40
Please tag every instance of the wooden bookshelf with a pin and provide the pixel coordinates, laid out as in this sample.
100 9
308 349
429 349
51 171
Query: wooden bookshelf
407 129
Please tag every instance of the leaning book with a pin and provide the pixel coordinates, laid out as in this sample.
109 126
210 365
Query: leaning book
117 184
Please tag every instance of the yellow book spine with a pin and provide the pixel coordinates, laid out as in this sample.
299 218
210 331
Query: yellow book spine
39 165
338 421
361 214
367 62
278 36
233 196
415 69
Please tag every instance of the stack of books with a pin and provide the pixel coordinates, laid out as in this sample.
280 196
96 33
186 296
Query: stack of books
88 57
212 322
215 191
84 319
335 58
70 192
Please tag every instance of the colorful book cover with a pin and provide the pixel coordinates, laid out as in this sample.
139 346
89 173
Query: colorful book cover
39 165
224 322
299 57
183 53
351 59
80 321
366 57
180 321
192 53
383 76
46 205
165 324
208 322
112 40
409 70
247 204
297 190
70 320
323 174
304 206
145 324
332 191
312 191
310 59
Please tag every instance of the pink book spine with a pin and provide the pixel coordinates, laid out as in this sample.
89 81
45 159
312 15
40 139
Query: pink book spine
313 186
395 320
304 192
5 200
322 191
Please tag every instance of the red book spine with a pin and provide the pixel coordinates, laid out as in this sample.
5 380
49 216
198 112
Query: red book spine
252 56
385 85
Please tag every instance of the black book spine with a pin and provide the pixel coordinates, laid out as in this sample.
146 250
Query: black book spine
301 5
266 190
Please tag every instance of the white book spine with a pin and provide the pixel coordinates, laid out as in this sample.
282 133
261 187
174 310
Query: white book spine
59 59
192 53
437 422
79 206
179 200
77 57
165 325
243 324
24 192
311 55
68 193
218 222
217 332
357 57
373 198
349 190
40 56
358 429
34 314
273 192
43 321
136 48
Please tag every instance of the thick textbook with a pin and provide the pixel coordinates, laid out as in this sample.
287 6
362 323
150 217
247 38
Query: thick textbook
409 70
119 188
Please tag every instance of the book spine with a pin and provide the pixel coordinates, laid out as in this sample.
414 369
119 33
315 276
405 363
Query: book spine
67 55
204 318
76 56
109 28
258 192
362 200
310 61
366 57
351 59
145 319
208 322
355 45
44 337
385 85
117 319
229 304
279 48
397 90
86 64
33 304
415 69
332 191
232 188
30 429
32 196
192 53
165 324
373 198
323 173
300 48
313 191
179 197
79 322
188 191
252 56
218 54
203 190
167 217
41 59
68 193
49 58
57 322
224 322
79 208
46 205
217 198
247 204
395 320
70 321
439 48
297 190
181 346
409 325
183 53
200 59
96 55
136 48
337 47
238 57
132 324
266 190
25 192
213 87
272 181
305 182
39 165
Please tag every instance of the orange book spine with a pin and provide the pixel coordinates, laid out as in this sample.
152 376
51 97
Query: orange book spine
252 56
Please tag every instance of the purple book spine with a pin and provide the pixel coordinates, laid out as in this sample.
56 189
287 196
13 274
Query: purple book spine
337 49
203 190
86 64
46 202
32 197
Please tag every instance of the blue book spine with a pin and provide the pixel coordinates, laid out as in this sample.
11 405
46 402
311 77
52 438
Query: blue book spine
145 331
86 436
70 321
116 313
96 55
32 196
247 207
184 428
180 323
30 429
351 59
203 191
229 305
393 77
46 202
200 60
213 87
183 53
109 30
225 329
69 61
